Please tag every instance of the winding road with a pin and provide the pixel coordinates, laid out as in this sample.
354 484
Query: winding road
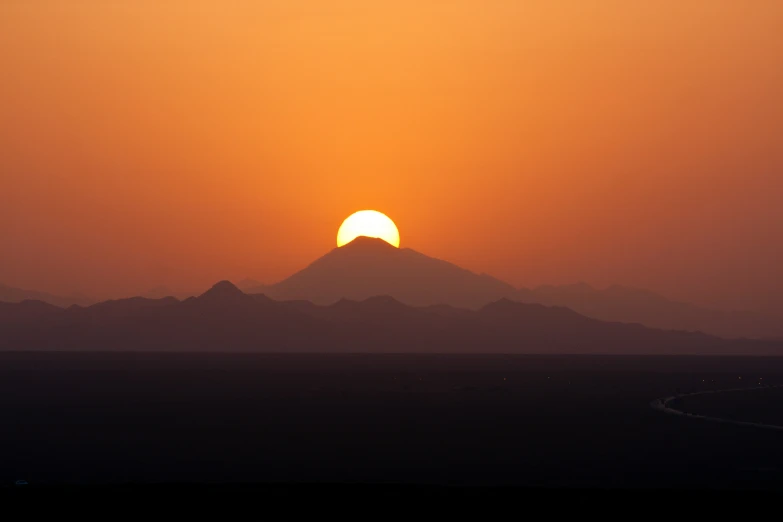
663 406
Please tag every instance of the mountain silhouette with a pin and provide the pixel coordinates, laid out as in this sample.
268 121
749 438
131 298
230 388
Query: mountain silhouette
369 267
630 305
566 329
221 319
225 319
10 294
28 313
373 311
223 295
120 307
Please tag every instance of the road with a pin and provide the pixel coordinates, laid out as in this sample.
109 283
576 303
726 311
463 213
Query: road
663 406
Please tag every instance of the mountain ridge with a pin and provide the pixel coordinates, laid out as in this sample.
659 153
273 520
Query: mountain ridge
10 294
369 266
225 319
632 305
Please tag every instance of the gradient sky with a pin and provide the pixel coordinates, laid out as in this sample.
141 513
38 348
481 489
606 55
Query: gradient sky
149 142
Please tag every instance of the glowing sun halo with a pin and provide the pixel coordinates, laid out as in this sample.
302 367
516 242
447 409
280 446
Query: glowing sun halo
368 223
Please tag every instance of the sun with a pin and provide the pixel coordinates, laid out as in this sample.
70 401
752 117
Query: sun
370 223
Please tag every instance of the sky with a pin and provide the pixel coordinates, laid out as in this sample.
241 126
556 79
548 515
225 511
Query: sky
178 143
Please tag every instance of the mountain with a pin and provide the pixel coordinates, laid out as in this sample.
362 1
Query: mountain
629 305
10 294
27 313
368 267
222 319
225 319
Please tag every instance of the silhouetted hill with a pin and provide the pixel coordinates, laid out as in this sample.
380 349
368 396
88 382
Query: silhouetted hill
27 312
223 295
10 294
629 305
221 319
368 267
537 324
373 311
224 319
121 307
444 310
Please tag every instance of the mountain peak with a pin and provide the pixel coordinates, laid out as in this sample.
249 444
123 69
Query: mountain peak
223 291
368 242
225 286
368 267
15 295
501 305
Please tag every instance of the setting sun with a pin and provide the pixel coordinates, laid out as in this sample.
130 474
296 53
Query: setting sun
368 223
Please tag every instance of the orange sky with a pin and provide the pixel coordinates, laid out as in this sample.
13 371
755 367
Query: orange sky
149 142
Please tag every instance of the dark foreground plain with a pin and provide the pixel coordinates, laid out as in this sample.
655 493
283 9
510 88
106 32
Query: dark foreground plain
423 421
